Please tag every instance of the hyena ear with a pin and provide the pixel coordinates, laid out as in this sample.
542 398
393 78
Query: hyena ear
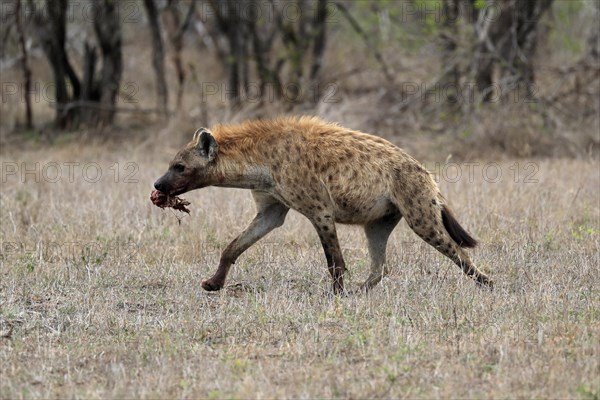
206 144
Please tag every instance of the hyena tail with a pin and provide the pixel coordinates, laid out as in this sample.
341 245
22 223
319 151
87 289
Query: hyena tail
456 232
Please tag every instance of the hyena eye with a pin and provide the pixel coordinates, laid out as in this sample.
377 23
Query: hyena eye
178 167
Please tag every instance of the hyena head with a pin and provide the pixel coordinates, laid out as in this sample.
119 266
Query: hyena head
192 167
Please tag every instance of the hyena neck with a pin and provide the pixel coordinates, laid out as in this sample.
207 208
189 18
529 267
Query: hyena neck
244 174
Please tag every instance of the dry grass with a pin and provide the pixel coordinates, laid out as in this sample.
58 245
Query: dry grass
103 299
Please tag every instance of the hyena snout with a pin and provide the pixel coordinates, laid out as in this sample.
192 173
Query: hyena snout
172 183
161 185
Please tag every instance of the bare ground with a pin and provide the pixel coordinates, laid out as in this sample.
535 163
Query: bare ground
100 291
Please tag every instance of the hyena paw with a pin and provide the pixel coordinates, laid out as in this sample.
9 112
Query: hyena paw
211 285
485 282
362 289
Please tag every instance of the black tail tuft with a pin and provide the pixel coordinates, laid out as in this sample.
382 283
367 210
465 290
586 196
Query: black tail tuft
456 232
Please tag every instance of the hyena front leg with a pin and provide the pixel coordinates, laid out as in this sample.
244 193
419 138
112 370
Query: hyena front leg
325 226
270 215
378 233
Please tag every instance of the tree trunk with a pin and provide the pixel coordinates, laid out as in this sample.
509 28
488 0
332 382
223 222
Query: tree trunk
234 36
50 26
175 30
521 51
508 41
108 32
320 24
50 29
229 23
89 87
158 57
593 43
261 49
24 65
250 36
482 65
449 36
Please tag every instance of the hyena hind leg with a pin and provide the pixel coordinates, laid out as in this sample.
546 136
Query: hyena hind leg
435 234
378 233
325 227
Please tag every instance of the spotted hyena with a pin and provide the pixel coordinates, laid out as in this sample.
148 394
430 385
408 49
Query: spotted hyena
331 175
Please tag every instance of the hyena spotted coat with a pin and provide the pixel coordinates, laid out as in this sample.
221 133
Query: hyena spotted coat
331 175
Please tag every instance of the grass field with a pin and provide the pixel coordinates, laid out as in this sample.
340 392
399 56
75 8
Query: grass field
100 291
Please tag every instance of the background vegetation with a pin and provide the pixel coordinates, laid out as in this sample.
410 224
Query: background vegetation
517 78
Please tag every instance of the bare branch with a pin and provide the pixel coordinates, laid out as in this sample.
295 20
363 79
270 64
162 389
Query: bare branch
356 26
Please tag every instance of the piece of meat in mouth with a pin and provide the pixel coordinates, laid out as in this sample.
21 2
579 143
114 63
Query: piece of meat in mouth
163 200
